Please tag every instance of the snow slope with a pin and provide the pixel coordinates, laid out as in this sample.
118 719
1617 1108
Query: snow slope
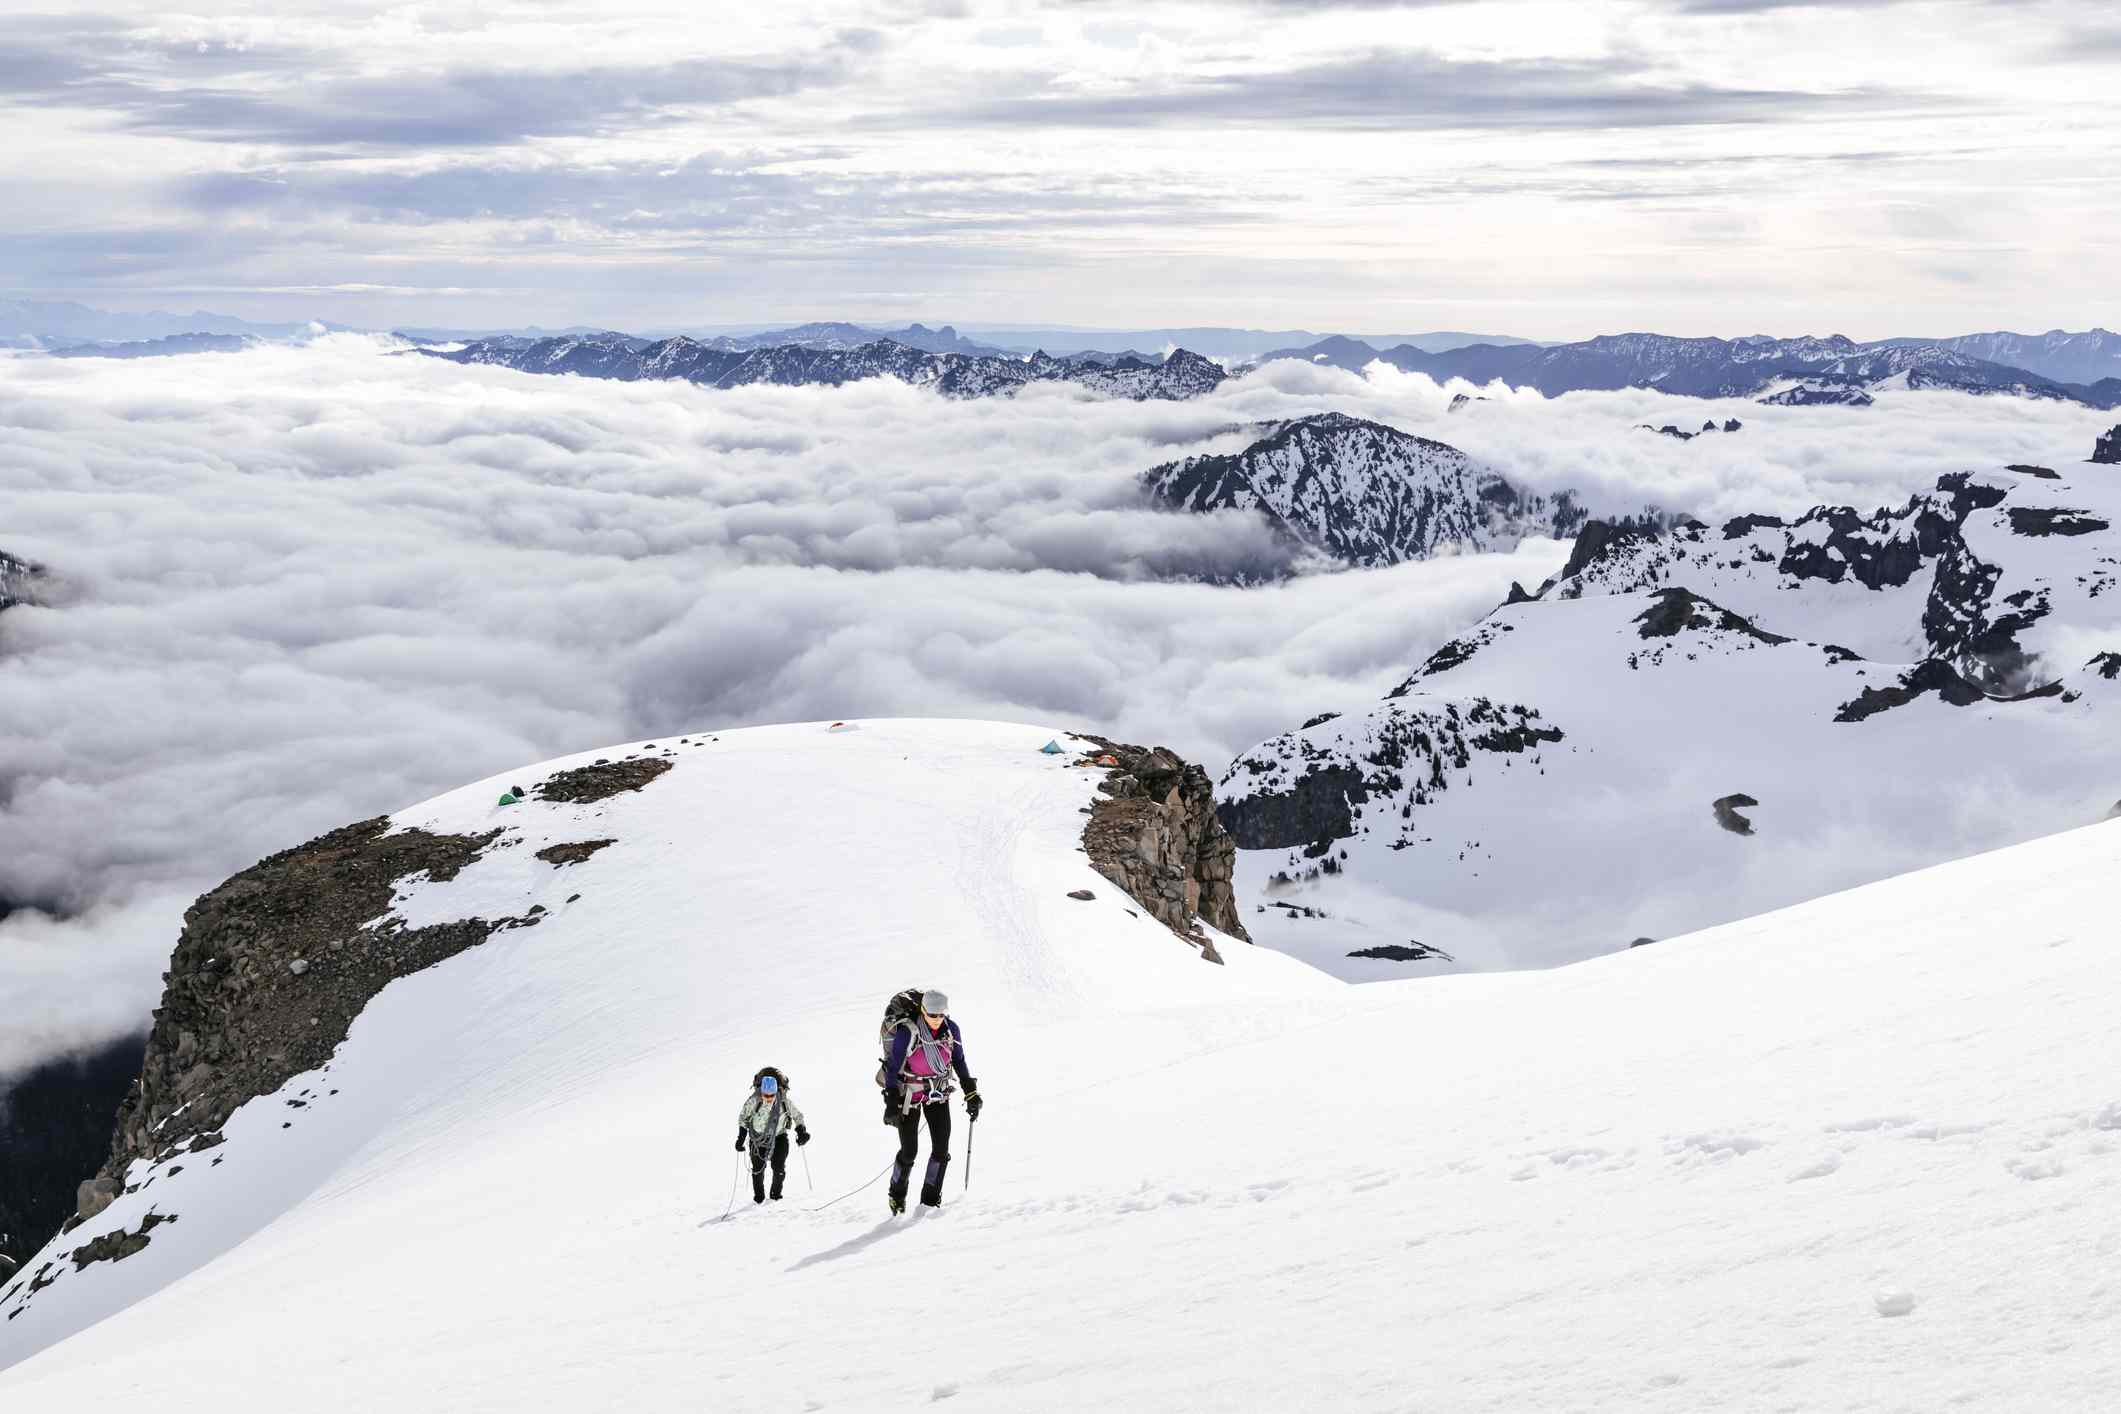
1893 690
1693 1176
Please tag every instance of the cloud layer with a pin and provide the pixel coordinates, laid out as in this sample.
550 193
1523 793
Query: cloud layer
297 587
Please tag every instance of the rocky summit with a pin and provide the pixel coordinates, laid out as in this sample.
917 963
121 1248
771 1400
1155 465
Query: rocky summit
1356 492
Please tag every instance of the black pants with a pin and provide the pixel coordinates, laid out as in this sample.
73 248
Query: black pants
909 1143
759 1154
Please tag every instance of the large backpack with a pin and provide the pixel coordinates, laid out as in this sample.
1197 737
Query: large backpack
764 1141
903 1009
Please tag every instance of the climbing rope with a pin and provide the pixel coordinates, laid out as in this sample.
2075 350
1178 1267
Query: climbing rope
852 1191
735 1178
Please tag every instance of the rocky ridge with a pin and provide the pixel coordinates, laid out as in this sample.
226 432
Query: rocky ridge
623 357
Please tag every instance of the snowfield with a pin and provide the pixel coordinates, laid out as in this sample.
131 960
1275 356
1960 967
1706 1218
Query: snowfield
1860 1154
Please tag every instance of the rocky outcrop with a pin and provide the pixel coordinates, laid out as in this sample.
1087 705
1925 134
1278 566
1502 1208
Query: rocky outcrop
2107 450
559 856
1726 809
1310 788
17 581
601 779
1678 610
269 972
1155 833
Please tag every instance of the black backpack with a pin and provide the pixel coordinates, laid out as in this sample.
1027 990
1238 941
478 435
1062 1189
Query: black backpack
901 1010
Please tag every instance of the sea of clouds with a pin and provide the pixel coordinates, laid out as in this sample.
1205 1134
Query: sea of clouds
296 587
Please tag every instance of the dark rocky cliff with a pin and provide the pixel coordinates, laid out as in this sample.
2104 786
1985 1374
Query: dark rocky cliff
1155 833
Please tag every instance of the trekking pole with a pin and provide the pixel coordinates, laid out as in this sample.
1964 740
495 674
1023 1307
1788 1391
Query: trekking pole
971 1133
809 1183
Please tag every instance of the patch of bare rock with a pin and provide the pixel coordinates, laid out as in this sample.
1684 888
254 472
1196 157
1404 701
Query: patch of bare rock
1154 832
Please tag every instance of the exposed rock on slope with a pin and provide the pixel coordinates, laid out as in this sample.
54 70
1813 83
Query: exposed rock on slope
1308 790
2107 450
270 970
1954 574
1156 835
17 581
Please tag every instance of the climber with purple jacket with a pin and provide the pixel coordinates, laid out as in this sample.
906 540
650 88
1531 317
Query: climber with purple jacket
924 1052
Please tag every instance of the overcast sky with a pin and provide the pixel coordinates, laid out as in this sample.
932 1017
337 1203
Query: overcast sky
1551 170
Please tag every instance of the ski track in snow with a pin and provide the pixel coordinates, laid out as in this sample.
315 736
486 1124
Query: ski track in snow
1864 1153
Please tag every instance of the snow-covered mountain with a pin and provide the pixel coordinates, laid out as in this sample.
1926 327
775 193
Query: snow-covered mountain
621 356
1755 366
1887 690
2085 356
846 337
1361 493
1834 1138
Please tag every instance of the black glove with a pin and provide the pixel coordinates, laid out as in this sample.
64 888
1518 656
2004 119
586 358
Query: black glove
802 1136
740 1141
972 1102
891 1108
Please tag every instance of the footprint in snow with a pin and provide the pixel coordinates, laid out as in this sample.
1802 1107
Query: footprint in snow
1828 1165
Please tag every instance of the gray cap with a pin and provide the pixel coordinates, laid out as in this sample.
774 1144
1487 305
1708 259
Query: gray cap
935 1003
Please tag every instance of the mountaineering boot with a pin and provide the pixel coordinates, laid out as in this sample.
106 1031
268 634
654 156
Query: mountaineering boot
901 1175
758 1186
932 1183
775 1192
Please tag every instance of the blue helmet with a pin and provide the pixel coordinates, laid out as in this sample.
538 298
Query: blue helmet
767 1085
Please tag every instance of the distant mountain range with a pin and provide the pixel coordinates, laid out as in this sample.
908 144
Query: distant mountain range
1804 370
627 358
160 348
2086 357
1218 340
2083 367
47 324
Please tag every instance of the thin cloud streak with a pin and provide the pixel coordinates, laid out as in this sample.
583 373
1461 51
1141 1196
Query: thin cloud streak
1401 89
